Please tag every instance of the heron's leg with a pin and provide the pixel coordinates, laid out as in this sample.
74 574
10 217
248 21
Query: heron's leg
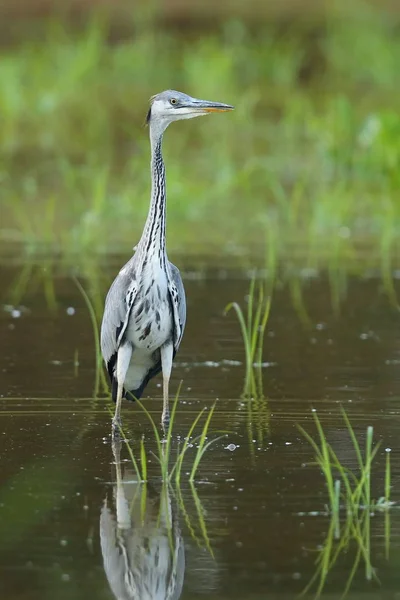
167 352
116 450
123 361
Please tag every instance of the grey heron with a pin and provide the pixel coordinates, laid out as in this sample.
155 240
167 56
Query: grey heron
145 309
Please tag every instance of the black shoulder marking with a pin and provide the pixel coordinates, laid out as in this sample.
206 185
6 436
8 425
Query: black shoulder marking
148 117
171 307
114 389
110 366
118 330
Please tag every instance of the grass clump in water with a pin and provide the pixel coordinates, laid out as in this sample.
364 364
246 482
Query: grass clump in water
163 455
351 490
253 325
100 377
350 505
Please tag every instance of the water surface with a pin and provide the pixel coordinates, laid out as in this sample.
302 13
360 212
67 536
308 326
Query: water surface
76 525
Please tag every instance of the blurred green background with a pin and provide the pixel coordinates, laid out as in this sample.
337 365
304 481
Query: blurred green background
309 160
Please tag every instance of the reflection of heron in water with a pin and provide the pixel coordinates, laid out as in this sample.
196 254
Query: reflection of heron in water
142 547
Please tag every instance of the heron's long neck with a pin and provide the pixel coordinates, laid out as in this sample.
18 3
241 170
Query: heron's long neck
152 242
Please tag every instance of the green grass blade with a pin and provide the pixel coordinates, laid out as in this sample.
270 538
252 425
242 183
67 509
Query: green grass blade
143 459
250 304
353 438
263 327
100 375
311 442
201 443
245 334
201 454
255 330
161 458
168 442
179 461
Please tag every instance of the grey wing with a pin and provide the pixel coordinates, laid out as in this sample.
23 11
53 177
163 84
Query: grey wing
178 298
117 309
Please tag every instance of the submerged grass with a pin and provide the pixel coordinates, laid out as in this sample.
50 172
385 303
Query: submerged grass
350 505
313 157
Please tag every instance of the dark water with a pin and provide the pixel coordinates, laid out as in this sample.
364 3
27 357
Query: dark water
73 524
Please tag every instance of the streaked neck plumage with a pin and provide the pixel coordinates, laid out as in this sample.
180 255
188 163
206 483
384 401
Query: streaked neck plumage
152 242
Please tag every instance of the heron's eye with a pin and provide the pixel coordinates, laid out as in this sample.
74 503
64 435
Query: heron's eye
173 101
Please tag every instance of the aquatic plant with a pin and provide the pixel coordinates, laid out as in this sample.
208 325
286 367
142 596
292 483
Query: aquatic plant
348 493
253 326
163 456
100 377
354 489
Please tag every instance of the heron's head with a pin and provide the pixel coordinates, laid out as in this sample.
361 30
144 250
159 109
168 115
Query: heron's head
172 106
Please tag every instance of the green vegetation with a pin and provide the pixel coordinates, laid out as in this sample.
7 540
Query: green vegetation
172 475
164 446
100 376
354 490
349 496
253 327
312 151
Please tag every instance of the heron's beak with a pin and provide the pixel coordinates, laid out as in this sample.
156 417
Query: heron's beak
208 107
